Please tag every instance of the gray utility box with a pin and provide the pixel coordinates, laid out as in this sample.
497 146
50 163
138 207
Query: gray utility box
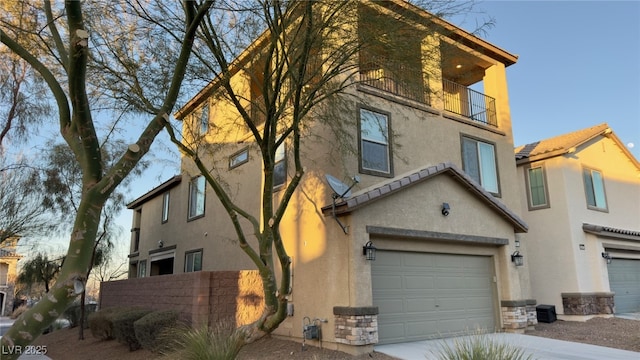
546 313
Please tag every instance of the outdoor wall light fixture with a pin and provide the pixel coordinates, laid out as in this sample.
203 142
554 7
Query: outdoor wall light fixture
607 256
369 251
445 209
517 258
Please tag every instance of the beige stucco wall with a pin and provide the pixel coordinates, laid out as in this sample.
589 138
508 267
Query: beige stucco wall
558 264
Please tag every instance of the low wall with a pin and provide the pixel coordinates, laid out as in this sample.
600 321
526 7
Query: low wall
202 296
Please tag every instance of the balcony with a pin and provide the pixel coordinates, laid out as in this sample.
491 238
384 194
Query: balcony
469 103
457 98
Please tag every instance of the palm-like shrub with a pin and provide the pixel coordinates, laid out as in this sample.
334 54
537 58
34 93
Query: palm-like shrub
479 346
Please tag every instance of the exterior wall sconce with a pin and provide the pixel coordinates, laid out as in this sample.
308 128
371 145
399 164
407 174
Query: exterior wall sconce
607 256
517 258
445 209
369 251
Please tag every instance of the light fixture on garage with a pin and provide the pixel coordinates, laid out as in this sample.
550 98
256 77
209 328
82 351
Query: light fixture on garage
607 256
369 251
517 258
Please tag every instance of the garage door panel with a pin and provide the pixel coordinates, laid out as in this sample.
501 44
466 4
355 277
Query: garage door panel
624 280
438 294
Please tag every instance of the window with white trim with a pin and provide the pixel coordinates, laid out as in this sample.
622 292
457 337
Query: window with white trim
479 162
374 145
280 167
594 189
196 197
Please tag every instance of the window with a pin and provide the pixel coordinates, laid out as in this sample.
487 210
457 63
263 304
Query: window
280 166
537 188
239 158
375 149
193 261
196 197
479 162
594 189
204 120
165 207
142 268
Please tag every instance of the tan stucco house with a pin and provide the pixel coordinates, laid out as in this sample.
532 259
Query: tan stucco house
441 207
8 272
581 196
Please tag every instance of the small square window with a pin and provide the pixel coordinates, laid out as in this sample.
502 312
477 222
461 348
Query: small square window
239 158
193 261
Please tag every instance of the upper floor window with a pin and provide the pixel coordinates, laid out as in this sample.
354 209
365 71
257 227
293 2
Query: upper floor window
479 162
280 166
196 197
374 144
165 207
193 261
239 158
537 188
594 189
204 119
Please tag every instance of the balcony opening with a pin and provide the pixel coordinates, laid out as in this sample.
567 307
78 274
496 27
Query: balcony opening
469 103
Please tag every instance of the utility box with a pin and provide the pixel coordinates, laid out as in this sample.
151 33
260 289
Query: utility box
311 332
546 313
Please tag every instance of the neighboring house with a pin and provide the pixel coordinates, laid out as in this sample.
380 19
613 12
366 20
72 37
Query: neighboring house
8 272
440 202
581 196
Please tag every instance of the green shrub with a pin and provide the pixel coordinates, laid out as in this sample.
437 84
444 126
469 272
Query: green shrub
220 342
123 329
149 328
479 346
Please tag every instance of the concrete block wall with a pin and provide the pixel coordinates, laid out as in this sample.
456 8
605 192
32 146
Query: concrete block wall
202 296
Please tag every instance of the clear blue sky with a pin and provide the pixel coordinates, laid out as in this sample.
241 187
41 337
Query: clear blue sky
578 66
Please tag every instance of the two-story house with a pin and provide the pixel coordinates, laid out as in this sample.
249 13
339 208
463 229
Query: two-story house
437 197
8 272
581 197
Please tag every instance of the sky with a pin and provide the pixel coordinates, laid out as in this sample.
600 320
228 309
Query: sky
578 66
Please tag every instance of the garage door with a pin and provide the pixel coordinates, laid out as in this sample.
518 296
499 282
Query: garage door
624 279
424 295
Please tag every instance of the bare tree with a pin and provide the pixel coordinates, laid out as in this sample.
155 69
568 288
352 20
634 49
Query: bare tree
297 74
70 39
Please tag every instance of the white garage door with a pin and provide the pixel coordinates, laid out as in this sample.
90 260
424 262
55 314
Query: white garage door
424 295
624 279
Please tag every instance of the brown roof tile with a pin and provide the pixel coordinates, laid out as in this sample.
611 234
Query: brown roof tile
420 175
559 144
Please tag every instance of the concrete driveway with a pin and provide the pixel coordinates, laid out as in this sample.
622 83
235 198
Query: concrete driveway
541 349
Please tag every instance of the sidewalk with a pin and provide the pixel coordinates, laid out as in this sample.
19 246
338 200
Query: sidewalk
541 349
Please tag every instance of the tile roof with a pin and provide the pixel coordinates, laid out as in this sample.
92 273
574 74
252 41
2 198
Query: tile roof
611 231
6 253
403 182
561 144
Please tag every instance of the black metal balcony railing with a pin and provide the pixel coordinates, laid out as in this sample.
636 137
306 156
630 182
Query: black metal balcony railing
457 98
469 103
383 79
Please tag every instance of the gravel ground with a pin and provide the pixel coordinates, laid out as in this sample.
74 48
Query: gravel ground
64 344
